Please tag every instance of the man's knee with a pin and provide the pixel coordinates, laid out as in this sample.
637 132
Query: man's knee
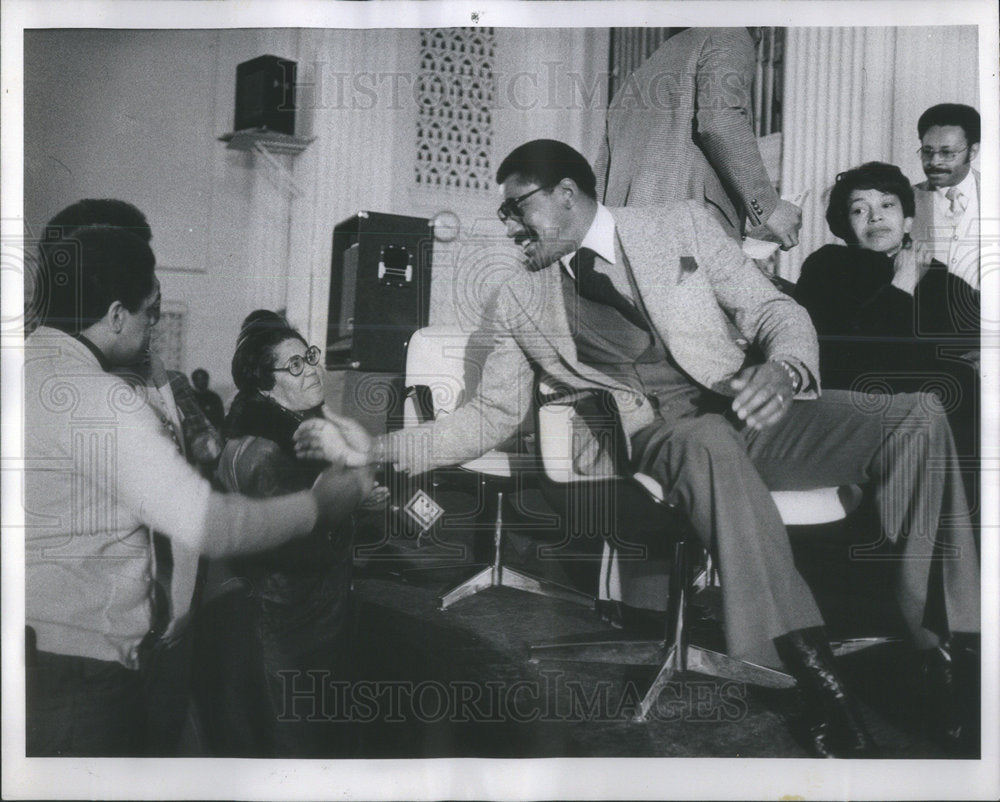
921 410
696 445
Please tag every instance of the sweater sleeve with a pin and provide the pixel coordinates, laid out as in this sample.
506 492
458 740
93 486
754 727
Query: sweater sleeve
170 496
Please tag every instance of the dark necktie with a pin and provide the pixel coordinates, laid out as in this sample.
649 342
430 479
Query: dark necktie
597 287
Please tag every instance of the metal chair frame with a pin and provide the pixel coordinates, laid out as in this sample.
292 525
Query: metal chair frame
436 359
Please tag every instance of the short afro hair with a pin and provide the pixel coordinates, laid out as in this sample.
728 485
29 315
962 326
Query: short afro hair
546 162
88 272
965 117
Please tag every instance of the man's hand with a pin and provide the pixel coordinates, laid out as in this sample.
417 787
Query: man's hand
783 225
175 630
764 393
354 434
338 491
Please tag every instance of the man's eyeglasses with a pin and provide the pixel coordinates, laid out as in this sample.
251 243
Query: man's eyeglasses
296 364
512 206
946 154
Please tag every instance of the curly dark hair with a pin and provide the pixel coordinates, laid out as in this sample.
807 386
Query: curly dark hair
887 178
262 331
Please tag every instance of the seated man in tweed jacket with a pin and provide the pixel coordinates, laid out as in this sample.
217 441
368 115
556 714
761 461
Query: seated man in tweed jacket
657 307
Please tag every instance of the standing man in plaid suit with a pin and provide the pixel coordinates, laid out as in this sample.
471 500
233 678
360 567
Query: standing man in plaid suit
680 128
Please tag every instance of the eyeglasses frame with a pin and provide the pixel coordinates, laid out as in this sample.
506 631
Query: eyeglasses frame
312 349
514 205
941 152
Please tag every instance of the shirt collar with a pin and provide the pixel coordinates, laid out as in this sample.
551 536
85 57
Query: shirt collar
967 186
101 359
600 237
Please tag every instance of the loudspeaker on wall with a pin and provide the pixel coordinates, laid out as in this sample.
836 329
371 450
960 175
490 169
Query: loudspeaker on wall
265 94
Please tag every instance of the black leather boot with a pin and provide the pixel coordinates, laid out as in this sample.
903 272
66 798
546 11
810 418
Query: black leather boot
832 722
950 694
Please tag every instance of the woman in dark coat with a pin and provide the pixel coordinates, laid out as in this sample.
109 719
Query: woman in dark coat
888 319
288 621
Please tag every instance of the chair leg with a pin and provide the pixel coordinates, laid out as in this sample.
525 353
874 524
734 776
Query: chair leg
673 654
512 578
847 646
498 575
663 676
471 586
619 652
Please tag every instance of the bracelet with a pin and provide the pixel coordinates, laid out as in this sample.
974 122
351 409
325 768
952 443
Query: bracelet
793 374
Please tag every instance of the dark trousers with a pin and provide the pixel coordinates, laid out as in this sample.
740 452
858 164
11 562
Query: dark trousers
271 672
79 707
720 475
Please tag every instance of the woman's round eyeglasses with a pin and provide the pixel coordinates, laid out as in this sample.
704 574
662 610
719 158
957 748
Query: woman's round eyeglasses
296 364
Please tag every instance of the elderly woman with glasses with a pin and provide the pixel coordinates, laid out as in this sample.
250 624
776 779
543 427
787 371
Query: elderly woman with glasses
287 628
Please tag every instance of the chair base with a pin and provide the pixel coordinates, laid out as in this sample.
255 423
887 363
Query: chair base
495 575
671 660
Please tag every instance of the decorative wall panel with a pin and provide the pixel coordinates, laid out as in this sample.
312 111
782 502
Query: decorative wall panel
455 113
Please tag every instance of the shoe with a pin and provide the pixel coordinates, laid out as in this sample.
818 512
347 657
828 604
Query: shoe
940 696
949 693
834 727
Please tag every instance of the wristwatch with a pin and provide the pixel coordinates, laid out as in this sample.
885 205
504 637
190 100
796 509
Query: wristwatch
792 372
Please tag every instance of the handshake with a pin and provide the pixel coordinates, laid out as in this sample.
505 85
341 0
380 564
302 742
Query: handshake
340 441
351 452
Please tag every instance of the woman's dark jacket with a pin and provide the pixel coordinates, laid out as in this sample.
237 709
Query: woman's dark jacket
259 461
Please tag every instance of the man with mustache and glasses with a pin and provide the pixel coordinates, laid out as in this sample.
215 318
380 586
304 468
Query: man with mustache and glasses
946 225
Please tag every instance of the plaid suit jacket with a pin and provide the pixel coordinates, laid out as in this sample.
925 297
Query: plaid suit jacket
680 127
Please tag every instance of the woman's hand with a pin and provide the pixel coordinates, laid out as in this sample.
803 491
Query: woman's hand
907 270
377 498
339 441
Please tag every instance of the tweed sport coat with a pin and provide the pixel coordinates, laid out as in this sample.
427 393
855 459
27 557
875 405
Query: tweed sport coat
705 299
681 128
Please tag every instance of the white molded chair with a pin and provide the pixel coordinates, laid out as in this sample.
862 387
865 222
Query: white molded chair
673 653
441 363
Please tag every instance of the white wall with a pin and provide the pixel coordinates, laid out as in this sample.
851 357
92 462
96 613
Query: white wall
136 115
